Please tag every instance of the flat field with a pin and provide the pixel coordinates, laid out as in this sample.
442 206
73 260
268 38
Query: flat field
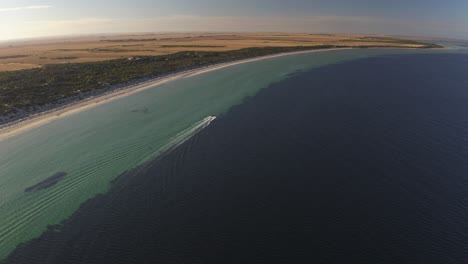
28 54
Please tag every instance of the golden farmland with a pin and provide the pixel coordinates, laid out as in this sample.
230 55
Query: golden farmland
27 54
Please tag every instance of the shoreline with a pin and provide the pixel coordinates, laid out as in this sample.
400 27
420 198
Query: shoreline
201 191
39 119
43 118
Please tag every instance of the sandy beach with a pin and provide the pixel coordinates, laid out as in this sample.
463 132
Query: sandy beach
46 117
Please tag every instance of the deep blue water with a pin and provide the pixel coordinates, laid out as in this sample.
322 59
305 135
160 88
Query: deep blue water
358 162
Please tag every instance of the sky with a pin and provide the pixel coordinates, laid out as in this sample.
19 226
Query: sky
41 18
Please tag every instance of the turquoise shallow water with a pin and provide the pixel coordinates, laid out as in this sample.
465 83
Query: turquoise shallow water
97 145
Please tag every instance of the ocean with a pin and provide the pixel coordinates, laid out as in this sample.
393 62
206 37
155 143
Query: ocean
349 156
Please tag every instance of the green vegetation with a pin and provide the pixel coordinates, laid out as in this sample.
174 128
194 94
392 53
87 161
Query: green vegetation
12 57
388 40
104 50
191 46
30 91
129 40
66 58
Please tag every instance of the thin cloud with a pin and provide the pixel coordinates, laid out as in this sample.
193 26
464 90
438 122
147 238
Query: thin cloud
19 8
185 23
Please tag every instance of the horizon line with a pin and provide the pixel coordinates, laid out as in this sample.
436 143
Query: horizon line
216 32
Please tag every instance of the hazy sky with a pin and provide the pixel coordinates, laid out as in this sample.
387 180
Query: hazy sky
35 18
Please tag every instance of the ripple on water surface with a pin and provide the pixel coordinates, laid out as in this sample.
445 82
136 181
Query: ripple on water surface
357 162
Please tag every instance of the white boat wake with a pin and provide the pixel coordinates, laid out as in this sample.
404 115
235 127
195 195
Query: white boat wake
186 134
179 139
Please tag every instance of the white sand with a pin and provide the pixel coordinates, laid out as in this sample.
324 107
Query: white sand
46 117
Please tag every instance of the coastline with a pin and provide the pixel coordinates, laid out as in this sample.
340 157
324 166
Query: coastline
43 118
232 169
